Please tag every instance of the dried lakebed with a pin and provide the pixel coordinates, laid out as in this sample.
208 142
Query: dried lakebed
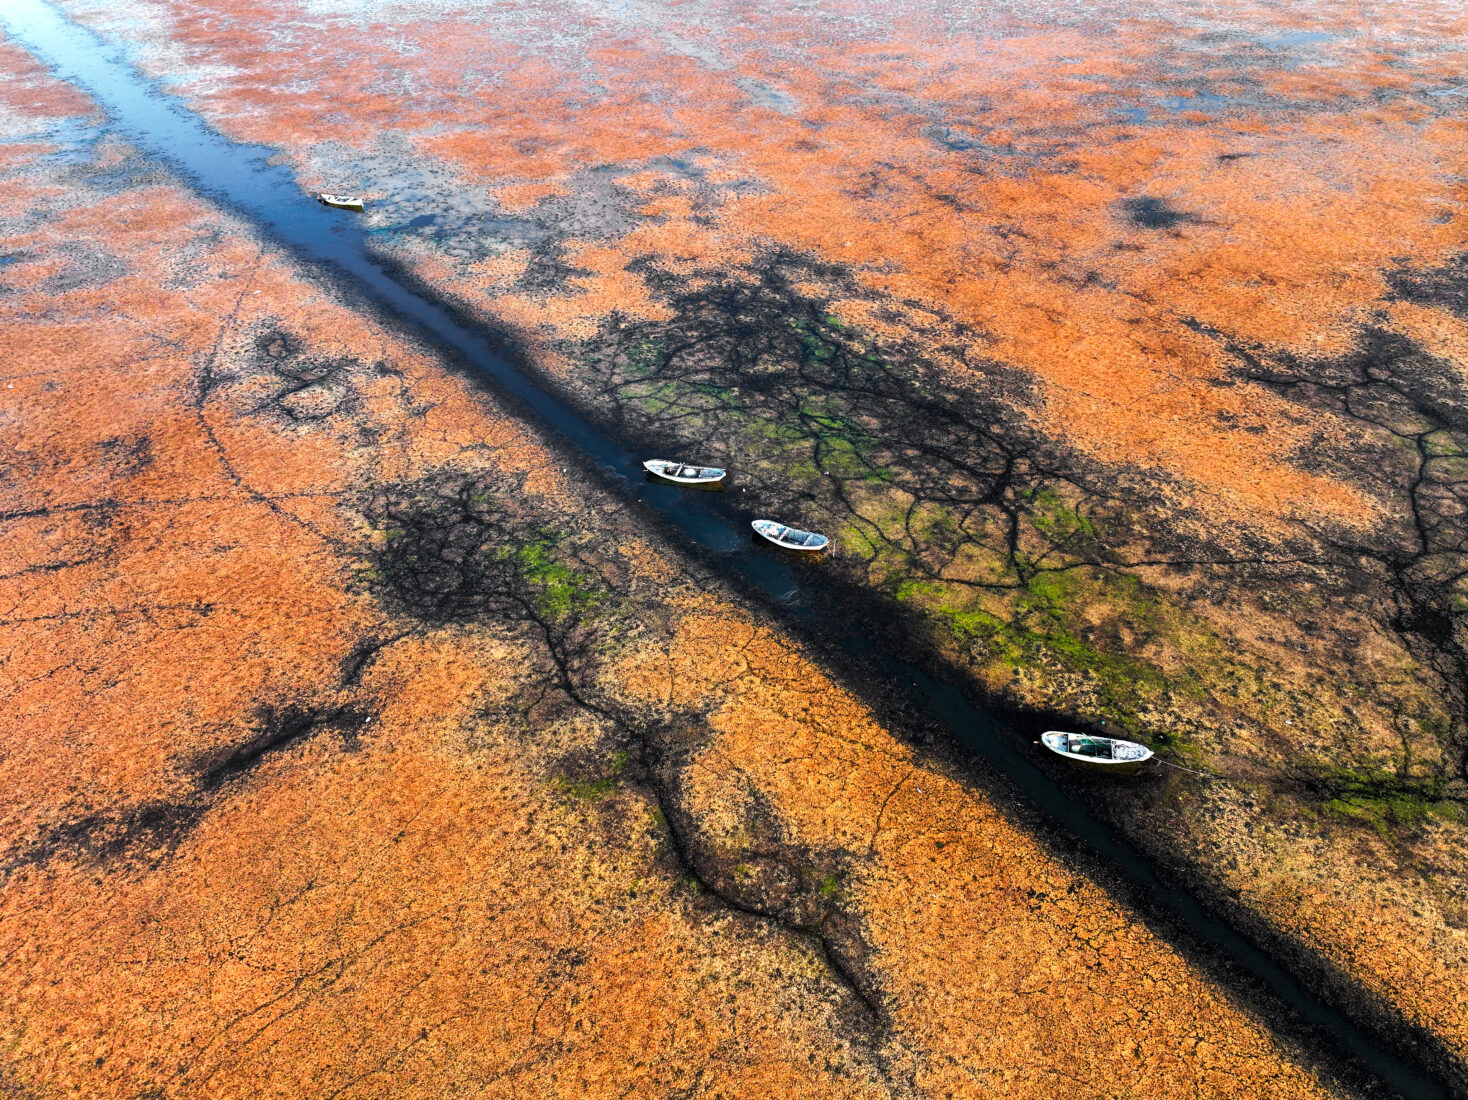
242 179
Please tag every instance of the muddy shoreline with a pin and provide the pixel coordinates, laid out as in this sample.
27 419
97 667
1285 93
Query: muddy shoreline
1144 872
827 629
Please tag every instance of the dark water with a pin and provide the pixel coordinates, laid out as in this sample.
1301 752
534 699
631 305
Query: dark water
336 245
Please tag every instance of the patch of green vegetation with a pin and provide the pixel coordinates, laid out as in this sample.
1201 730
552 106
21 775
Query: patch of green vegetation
976 625
560 589
1058 596
593 790
1086 621
1381 800
912 589
846 458
761 430
1444 443
813 343
643 357
589 790
662 398
1056 519
830 887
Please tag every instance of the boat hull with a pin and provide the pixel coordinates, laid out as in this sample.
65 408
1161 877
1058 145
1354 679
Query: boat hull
1106 767
1056 741
769 531
657 467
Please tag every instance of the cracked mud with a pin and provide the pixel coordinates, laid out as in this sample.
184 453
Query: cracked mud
357 746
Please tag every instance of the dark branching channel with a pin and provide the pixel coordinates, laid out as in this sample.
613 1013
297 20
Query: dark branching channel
454 549
148 833
932 483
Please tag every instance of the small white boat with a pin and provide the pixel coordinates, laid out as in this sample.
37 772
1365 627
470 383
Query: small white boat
789 538
683 473
346 202
1108 754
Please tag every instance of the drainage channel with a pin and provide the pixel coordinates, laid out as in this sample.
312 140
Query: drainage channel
335 246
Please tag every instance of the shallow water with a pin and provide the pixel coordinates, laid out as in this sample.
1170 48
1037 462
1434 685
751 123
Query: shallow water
338 245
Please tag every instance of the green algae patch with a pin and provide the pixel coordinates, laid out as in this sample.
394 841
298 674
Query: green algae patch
1051 515
598 787
1382 799
589 790
559 588
454 549
1089 626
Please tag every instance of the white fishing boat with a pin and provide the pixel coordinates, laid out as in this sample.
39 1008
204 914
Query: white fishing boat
789 538
346 202
682 473
1102 754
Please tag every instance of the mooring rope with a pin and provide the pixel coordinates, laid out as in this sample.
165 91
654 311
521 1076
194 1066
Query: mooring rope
1190 771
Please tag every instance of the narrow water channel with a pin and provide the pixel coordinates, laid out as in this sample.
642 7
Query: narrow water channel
335 246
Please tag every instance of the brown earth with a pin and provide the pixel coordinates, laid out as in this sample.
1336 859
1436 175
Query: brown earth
1206 256
352 750
1161 311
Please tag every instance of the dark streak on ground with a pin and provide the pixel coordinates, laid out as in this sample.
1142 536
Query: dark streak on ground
150 832
278 730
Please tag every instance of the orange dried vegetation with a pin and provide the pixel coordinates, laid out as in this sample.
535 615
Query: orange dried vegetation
1017 233
418 908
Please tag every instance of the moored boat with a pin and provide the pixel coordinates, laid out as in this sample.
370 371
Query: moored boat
682 473
789 538
345 202
1102 754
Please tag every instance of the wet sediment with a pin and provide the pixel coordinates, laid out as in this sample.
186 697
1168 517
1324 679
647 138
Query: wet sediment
323 410
484 786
